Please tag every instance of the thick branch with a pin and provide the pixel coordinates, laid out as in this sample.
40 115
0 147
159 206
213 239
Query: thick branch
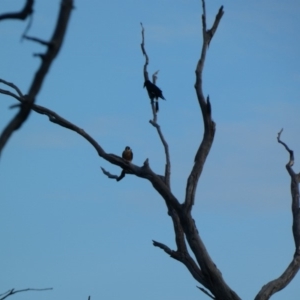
281 282
213 276
21 15
52 51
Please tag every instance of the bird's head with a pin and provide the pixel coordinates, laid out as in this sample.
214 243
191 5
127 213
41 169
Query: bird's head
127 148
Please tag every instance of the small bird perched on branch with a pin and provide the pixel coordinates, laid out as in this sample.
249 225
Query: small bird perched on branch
127 154
154 92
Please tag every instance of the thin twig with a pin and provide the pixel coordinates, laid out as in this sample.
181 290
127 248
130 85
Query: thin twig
167 154
37 40
13 291
12 86
154 121
205 292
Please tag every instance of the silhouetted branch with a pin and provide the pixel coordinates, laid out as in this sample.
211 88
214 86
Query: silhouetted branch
209 124
118 178
48 57
21 15
203 269
37 40
154 121
291 161
13 291
146 76
10 84
9 93
205 292
172 253
282 281
157 181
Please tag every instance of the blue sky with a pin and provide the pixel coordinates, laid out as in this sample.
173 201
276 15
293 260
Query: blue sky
65 225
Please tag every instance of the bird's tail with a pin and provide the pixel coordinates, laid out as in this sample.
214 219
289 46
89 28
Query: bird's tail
156 106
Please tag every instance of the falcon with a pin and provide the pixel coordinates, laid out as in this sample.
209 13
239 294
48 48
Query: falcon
154 92
127 154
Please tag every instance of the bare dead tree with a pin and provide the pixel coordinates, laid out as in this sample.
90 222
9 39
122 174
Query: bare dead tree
53 47
13 292
190 249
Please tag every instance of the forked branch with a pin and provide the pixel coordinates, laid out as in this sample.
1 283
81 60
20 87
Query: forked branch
154 121
209 125
13 291
54 46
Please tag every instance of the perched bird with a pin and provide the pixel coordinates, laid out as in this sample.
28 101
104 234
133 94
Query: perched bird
154 92
127 154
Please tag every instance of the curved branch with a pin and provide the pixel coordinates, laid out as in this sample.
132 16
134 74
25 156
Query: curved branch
47 59
21 15
282 281
209 125
146 76
157 181
10 84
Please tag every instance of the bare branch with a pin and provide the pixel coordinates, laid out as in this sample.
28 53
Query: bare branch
172 253
9 93
22 15
282 281
205 292
145 71
118 178
209 125
186 260
291 161
37 40
158 181
12 86
210 33
166 148
13 291
154 121
146 76
49 56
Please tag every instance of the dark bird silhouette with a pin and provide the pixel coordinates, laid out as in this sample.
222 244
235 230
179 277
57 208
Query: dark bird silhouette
154 92
127 154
